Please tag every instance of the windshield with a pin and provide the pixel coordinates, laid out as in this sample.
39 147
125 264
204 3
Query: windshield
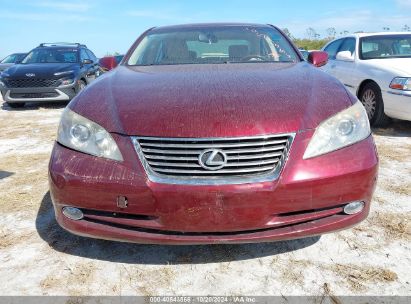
52 55
387 46
13 58
213 45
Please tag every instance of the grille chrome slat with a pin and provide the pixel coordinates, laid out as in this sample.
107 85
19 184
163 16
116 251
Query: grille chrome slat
213 145
255 156
181 160
239 157
197 152
222 171
233 164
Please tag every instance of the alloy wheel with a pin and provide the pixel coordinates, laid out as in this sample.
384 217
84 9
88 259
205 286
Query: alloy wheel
369 100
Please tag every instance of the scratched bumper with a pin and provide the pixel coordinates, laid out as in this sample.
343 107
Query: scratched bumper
306 200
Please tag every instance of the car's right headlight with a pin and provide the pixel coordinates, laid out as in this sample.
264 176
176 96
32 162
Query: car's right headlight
343 129
81 134
401 83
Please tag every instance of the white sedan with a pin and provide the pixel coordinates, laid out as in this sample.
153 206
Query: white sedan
376 67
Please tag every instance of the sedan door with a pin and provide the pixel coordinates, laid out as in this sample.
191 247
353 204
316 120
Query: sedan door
332 50
345 64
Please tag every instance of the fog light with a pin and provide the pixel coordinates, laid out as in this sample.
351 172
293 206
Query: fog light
354 208
73 213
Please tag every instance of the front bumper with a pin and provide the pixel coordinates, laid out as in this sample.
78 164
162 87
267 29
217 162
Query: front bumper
306 199
397 104
38 94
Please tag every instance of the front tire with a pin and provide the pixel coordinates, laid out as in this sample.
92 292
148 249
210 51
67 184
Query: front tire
81 85
371 98
16 105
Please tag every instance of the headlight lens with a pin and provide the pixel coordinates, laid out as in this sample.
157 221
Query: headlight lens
81 134
401 83
343 129
65 82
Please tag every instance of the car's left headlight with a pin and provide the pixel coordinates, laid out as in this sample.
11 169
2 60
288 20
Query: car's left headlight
65 82
343 129
81 134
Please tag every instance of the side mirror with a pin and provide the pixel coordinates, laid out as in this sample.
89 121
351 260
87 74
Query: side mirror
108 63
344 56
318 58
87 61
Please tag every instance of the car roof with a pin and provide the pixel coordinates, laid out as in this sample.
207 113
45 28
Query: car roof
205 25
58 47
360 35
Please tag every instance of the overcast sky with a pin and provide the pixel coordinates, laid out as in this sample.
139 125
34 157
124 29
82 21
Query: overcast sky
109 26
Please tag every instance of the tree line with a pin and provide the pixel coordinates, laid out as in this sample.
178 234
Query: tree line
314 41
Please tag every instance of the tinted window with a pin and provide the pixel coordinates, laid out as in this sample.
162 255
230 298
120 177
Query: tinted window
348 45
20 57
332 48
386 46
83 55
91 56
213 45
10 59
119 58
52 55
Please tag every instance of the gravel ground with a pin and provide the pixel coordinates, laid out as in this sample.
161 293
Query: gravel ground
37 257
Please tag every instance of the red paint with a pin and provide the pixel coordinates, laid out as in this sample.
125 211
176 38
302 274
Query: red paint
331 180
108 62
318 58
224 100
212 100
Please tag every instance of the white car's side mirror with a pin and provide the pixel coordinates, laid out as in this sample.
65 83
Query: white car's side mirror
345 56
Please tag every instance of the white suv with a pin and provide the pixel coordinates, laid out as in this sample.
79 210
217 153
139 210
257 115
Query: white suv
377 69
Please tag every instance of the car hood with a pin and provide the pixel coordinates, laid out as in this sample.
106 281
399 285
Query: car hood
212 100
5 66
400 66
39 69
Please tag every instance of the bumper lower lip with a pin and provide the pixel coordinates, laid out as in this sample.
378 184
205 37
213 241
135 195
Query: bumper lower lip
64 93
60 97
306 200
124 233
287 226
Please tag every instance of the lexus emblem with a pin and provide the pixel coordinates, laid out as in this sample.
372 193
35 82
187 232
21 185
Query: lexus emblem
30 74
212 159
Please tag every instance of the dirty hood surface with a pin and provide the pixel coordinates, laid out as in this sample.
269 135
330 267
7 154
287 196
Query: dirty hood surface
212 100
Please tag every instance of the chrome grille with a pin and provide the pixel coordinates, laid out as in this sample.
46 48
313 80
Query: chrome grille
248 159
32 83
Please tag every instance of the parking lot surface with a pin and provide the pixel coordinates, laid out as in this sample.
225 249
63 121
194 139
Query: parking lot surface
37 257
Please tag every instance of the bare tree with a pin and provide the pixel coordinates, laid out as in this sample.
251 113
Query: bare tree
331 32
385 28
311 33
406 28
288 33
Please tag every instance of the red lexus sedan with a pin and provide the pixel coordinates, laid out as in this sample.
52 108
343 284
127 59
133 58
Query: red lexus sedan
213 133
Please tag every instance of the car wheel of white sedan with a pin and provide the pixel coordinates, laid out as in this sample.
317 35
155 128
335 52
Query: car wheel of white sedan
371 98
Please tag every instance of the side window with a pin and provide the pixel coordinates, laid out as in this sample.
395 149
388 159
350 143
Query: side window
332 48
83 55
92 56
348 45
